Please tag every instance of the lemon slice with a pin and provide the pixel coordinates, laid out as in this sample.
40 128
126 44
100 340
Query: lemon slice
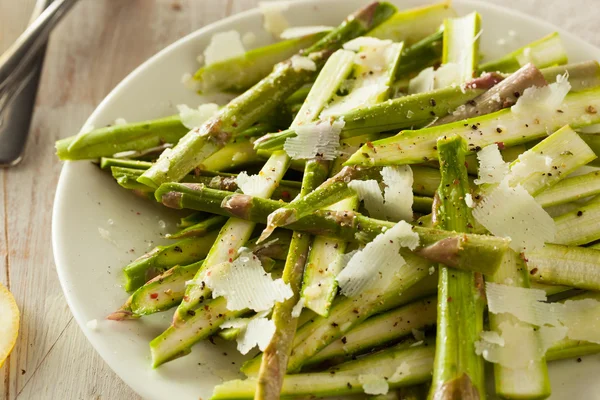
9 323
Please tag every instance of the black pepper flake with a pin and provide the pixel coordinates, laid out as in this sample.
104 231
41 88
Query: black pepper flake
344 340
533 271
177 249
191 312
432 102
579 213
499 130
578 359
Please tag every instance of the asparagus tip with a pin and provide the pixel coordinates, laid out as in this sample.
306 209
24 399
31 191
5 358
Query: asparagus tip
122 315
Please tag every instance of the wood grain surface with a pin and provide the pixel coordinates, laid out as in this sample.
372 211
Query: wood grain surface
96 46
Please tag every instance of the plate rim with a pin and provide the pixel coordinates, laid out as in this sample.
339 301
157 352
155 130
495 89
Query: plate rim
59 260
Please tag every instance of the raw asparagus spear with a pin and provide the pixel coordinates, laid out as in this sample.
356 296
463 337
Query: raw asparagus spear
350 312
240 73
505 126
108 163
582 76
200 229
420 55
162 258
545 52
234 234
465 251
415 110
276 354
578 227
570 189
461 45
415 363
258 101
457 369
412 25
380 330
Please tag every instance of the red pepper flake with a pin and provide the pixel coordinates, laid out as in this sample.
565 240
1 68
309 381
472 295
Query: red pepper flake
138 213
285 194
449 299
533 271
230 259
231 251
500 145
153 295
370 145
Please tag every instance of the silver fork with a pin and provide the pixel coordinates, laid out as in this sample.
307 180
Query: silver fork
20 69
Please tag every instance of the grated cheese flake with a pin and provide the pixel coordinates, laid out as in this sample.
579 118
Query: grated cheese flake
254 331
245 284
369 192
469 200
300 31
194 118
223 46
513 213
529 163
492 168
528 305
301 62
543 99
376 264
254 185
423 82
582 319
297 310
447 75
320 139
398 192
373 384
273 20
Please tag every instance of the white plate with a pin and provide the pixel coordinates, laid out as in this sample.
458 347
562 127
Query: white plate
89 267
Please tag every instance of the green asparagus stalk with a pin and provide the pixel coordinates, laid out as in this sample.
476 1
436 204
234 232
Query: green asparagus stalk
570 189
258 101
412 25
415 363
457 370
108 163
573 266
461 44
415 110
582 76
380 330
200 229
238 74
505 126
276 354
593 140
580 226
347 313
234 234
192 219
420 55
162 258
545 52
465 251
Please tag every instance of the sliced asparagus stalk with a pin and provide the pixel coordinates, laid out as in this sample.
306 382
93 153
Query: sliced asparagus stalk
258 101
593 140
582 76
461 45
570 189
240 73
531 382
412 25
457 369
505 126
108 163
347 313
420 55
416 110
545 52
414 363
380 330
192 219
573 266
319 285
200 229
162 258
500 96
234 234
580 226
472 252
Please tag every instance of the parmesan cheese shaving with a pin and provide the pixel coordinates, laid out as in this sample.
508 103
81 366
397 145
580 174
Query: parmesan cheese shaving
274 22
582 319
529 163
447 75
365 41
543 99
320 139
301 62
245 284
373 384
369 192
513 213
423 82
253 185
194 118
223 46
254 331
398 193
492 168
375 266
297 310
401 372
528 305
300 31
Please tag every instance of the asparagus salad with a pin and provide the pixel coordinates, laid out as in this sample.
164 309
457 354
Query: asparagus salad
376 211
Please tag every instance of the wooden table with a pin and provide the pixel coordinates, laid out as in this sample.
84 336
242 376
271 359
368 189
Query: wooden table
96 46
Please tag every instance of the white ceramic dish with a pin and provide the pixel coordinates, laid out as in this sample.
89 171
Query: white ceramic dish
89 267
